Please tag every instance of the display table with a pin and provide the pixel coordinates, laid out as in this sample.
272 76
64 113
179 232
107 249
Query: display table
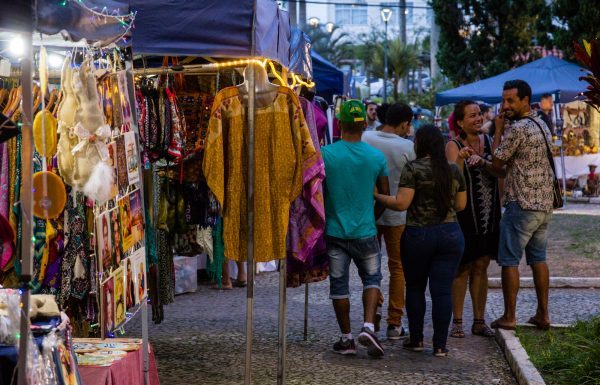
576 166
126 371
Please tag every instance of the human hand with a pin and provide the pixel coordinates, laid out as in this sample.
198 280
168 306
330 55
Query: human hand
475 161
499 122
465 153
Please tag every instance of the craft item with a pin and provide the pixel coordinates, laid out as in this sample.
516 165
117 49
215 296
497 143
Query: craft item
108 312
119 296
122 176
125 224
132 157
104 243
66 123
49 200
136 219
138 260
44 133
91 152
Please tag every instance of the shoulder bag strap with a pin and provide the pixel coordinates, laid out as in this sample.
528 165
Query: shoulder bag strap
548 150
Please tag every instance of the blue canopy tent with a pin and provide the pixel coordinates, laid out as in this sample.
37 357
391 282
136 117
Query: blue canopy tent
329 79
211 28
547 75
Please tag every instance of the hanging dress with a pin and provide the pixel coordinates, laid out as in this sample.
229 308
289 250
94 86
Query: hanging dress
282 143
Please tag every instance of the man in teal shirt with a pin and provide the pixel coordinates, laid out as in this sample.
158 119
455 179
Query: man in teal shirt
353 169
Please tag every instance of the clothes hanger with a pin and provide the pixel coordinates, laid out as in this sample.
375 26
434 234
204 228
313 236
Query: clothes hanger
265 91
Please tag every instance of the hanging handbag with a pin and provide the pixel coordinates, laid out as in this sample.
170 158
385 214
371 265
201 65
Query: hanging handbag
557 201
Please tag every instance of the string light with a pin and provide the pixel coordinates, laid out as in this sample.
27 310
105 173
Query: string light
283 82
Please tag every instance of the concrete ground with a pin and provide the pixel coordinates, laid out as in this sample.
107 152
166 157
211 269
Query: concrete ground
202 341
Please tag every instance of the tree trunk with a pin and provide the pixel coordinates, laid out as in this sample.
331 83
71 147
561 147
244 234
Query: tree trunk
395 83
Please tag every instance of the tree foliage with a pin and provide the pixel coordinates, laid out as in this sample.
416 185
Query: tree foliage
482 38
578 20
401 59
335 46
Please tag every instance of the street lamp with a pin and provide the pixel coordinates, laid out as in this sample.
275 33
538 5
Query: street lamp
314 22
386 14
329 27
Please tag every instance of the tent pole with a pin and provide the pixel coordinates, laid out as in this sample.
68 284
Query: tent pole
306 311
559 130
281 351
144 301
26 203
251 266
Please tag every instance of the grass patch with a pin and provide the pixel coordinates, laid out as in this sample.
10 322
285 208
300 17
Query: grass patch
582 233
565 356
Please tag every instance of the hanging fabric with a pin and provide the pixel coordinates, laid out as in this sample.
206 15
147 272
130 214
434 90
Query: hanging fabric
282 145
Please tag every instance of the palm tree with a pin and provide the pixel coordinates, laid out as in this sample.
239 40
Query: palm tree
401 59
335 46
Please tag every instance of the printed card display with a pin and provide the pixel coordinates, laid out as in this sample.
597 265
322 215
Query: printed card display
108 312
115 231
125 217
138 261
122 176
130 283
137 219
132 157
124 98
104 243
119 295
112 161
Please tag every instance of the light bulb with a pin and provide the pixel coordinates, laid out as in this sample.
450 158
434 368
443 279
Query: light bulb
55 61
17 46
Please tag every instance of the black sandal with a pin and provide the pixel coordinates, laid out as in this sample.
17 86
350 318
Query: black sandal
457 330
479 328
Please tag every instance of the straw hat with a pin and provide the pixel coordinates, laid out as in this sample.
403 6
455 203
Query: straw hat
45 124
48 206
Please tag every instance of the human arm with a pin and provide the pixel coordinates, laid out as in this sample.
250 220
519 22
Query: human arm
456 155
400 202
383 187
460 201
497 166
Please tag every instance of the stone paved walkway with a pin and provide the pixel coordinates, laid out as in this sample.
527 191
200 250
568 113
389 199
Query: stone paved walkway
202 341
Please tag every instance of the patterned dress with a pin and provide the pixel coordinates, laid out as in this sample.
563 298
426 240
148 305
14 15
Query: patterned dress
282 146
480 220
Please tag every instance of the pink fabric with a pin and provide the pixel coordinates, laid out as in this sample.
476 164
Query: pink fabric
127 371
4 195
307 213
320 122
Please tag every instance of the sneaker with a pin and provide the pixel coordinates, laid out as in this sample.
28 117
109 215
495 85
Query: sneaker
344 347
413 346
368 339
395 332
440 352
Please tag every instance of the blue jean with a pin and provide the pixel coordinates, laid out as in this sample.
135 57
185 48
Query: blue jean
522 230
366 255
431 254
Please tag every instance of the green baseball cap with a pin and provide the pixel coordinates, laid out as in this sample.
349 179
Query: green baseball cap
352 111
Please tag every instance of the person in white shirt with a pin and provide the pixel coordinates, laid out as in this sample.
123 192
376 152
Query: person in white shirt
398 151
372 122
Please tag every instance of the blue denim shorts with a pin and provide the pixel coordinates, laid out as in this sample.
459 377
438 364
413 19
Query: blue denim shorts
522 230
366 255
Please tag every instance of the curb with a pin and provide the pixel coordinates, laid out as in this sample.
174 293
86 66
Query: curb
517 358
555 282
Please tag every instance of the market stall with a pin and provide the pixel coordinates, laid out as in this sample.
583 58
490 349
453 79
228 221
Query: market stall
59 220
230 72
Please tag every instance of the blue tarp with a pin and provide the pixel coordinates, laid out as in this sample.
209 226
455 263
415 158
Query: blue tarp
329 79
300 60
214 28
547 75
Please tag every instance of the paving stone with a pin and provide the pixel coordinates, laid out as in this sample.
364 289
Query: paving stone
202 341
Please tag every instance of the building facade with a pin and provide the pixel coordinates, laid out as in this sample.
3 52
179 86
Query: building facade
357 17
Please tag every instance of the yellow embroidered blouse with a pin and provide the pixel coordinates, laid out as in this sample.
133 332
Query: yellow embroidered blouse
281 144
